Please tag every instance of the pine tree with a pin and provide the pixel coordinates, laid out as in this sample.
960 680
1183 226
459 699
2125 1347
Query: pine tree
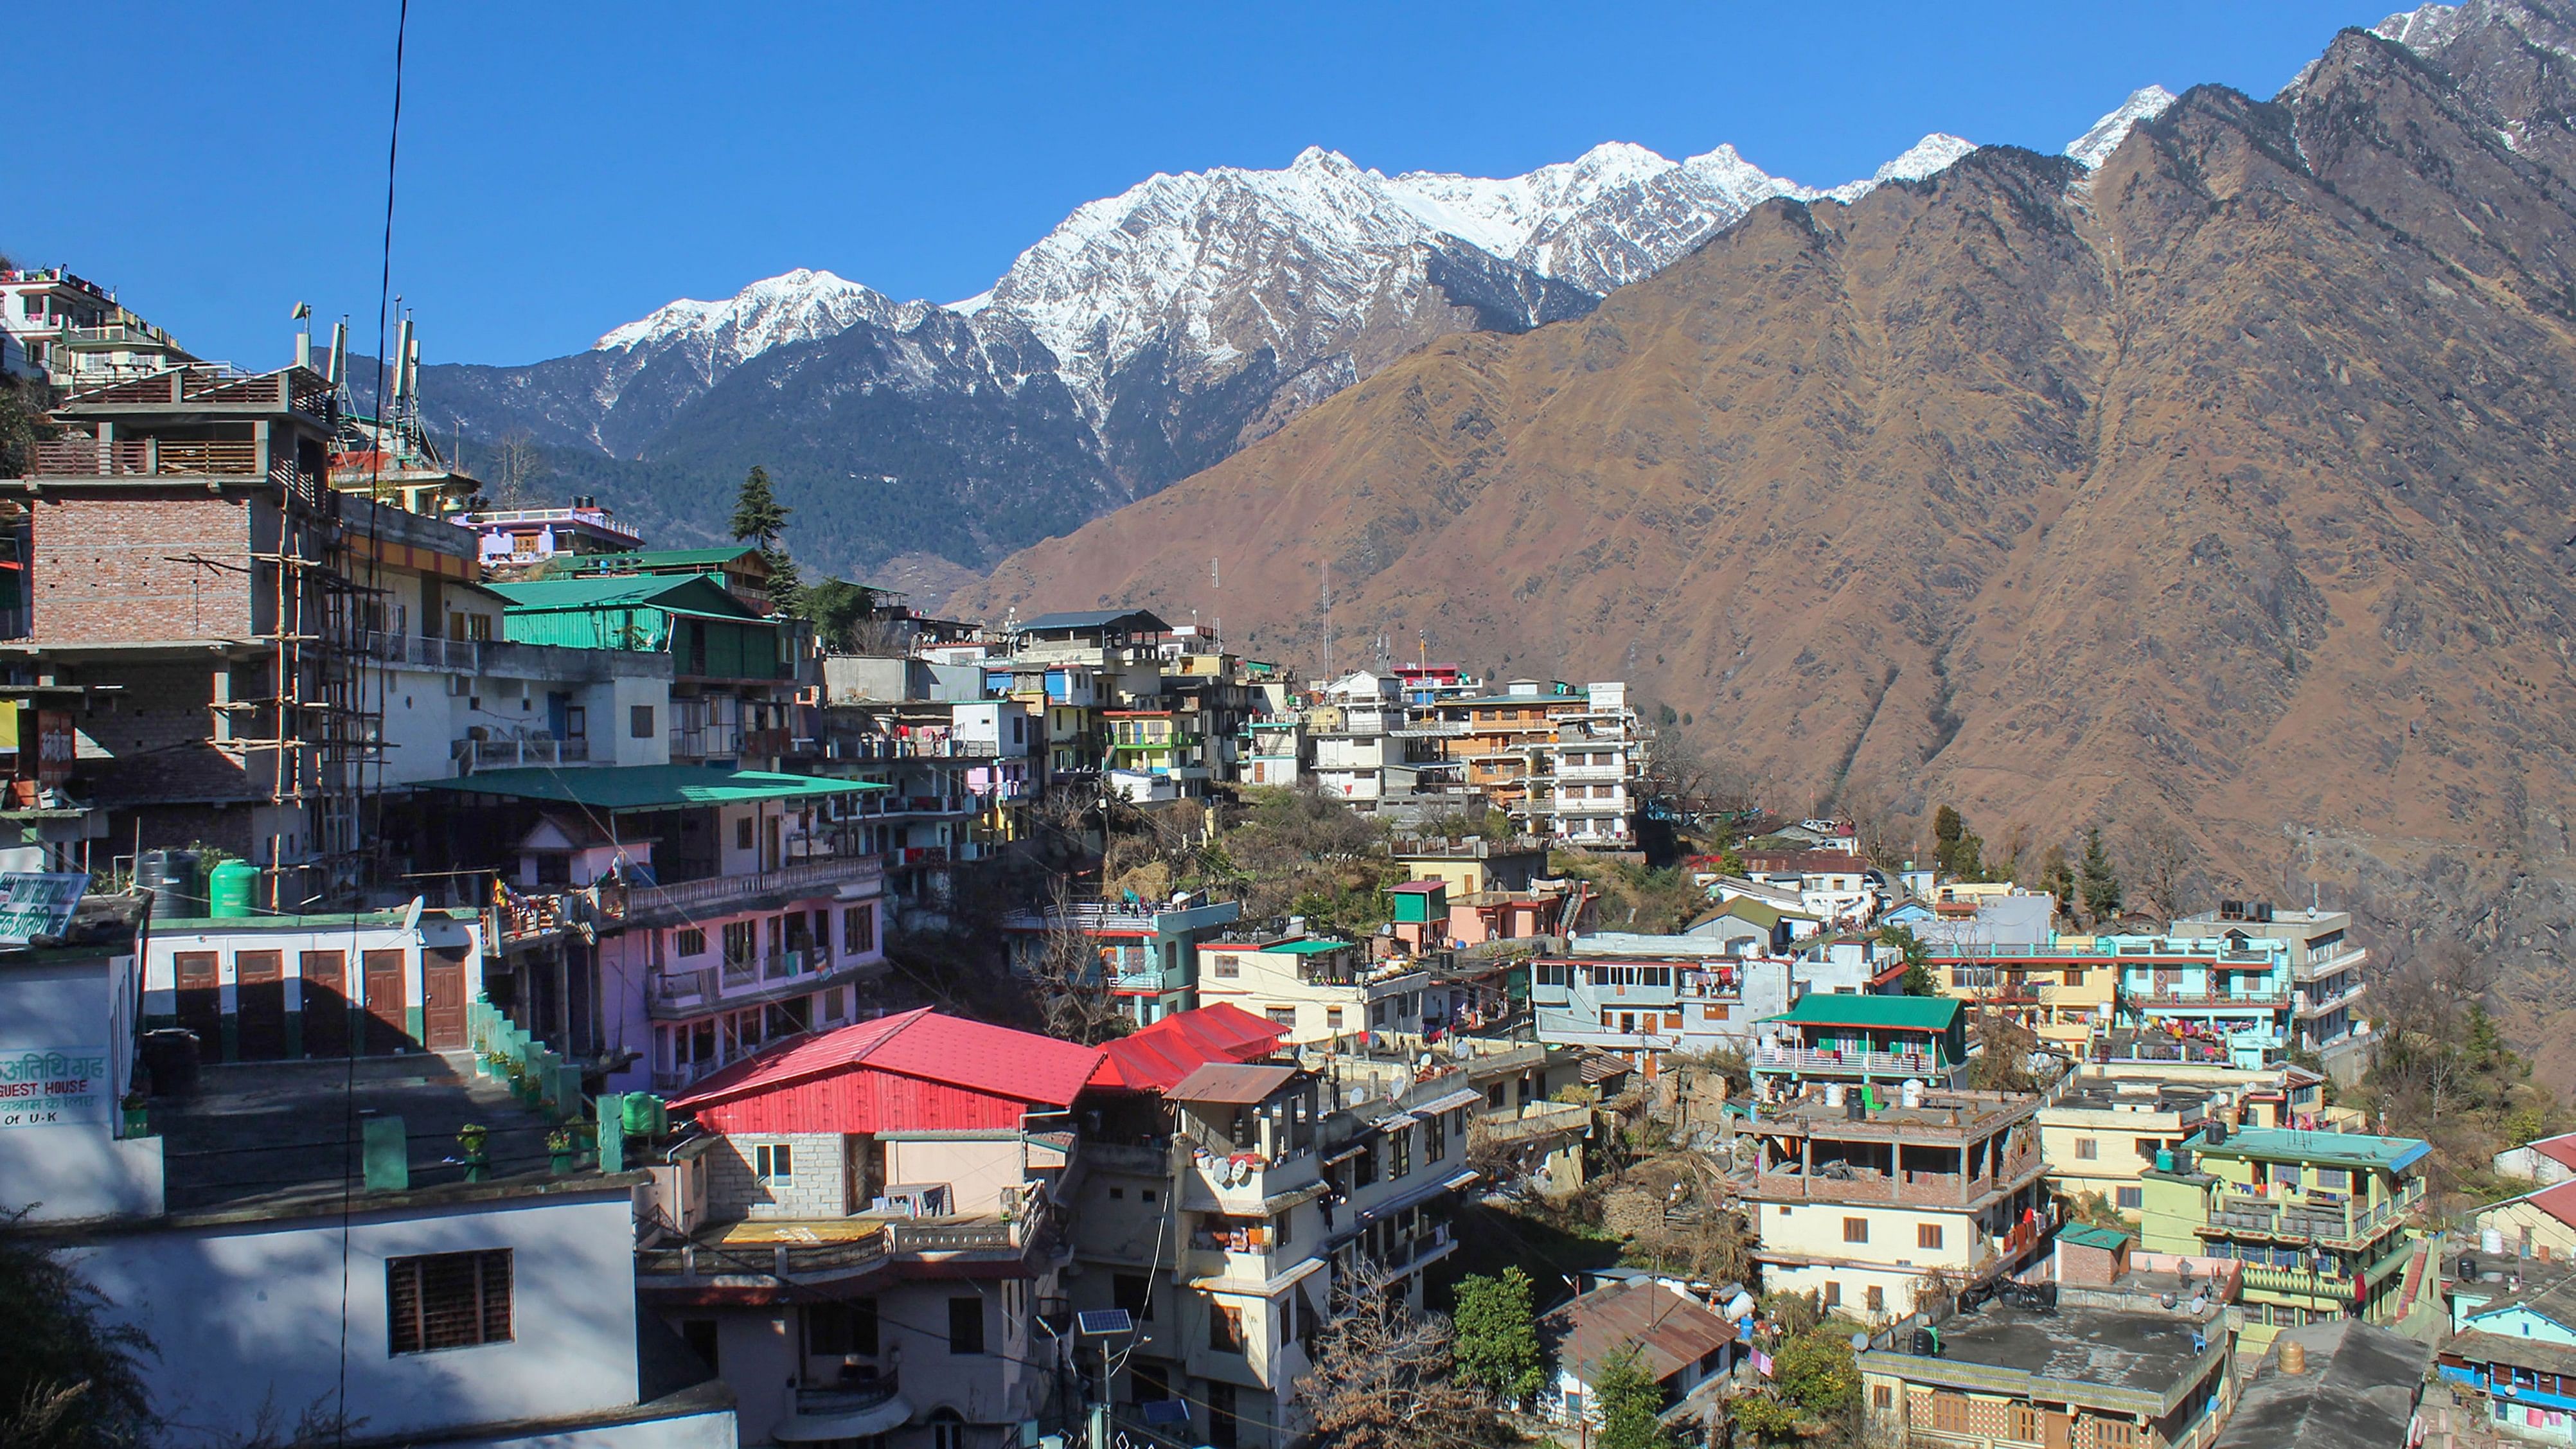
759 518
2101 883
1497 1333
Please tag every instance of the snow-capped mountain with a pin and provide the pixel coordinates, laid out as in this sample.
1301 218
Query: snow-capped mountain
2096 145
1148 335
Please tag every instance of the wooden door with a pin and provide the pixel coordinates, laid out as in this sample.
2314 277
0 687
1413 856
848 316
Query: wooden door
259 1002
201 1002
387 1020
442 990
2060 1430
325 975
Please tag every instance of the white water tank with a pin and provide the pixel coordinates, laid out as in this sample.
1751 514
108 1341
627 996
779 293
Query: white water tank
1833 1094
2491 1242
1911 1092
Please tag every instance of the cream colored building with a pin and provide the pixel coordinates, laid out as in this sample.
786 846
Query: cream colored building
1321 989
1868 1208
2101 1135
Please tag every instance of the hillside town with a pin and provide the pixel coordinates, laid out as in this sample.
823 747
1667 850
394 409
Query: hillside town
481 975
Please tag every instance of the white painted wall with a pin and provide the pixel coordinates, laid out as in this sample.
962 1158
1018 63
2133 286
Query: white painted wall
251 1315
59 1152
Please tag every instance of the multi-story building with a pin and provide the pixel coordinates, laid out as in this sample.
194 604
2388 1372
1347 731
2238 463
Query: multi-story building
1151 756
2204 998
193 1216
658 923
510 539
1836 887
1320 988
734 672
2515 1345
2106 1354
2325 973
2323 1221
2101 1135
1563 763
741 568
872 1237
1642 997
959 774
2065 990
1227 1206
1274 750
1840 1037
1876 1204
1148 952
190 573
272 987
71 333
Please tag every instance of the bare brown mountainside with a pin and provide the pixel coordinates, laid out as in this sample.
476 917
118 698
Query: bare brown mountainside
2229 488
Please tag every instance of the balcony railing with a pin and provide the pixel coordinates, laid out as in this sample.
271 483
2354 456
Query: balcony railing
1807 1059
683 988
2273 997
887 747
2309 1220
715 892
1939 1189
503 754
892 1239
849 1396
741 971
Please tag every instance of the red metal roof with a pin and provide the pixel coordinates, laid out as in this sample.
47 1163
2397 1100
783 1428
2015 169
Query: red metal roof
918 1071
1232 1086
2559 1202
1157 1057
2560 1149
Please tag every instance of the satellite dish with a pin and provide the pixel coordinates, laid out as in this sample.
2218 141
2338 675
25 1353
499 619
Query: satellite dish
1860 1343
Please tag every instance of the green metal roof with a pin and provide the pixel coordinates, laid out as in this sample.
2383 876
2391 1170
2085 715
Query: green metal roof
646 787
1900 1013
695 593
2335 1149
663 558
1306 948
2091 1235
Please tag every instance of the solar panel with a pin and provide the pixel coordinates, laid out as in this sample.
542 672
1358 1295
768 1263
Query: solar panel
1102 1322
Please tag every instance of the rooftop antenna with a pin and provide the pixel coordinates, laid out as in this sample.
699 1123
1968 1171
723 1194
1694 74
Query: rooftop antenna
1215 579
340 353
1328 619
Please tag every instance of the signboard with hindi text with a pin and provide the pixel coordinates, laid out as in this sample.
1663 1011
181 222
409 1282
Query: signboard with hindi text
52 1086
33 905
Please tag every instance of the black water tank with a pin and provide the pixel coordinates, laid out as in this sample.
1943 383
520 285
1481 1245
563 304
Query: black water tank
170 1055
1927 1342
1855 1106
2215 1134
2468 1269
175 880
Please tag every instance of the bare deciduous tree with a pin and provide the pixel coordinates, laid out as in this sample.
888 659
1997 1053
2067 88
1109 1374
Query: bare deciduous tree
516 467
2163 863
1385 1377
1075 992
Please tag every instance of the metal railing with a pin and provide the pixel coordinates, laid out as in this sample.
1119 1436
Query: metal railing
826 874
502 754
678 988
1807 1059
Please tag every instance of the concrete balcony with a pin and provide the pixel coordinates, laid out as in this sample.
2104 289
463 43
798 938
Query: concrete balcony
1243 1187
473 755
1850 1064
2334 1225
1916 1189
839 876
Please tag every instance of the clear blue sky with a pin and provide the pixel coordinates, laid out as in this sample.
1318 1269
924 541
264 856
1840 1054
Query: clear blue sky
566 168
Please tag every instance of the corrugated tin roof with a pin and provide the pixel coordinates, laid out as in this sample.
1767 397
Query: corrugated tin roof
1158 1057
697 593
1135 620
924 1044
647 787
663 558
1229 1085
1907 1013
2288 1144
2560 1149
1670 1332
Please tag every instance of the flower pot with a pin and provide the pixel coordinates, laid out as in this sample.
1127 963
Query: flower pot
559 1162
138 1121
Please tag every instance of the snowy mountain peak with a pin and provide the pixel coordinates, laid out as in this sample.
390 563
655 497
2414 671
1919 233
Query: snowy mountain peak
1921 161
2425 26
2095 146
795 306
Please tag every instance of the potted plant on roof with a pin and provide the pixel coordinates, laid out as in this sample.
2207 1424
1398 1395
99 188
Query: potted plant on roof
138 1113
471 1142
559 1150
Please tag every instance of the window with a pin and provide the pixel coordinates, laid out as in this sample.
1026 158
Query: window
447 1300
1228 966
1135 1293
774 1163
1882 1396
2086 1150
1855 1230
1833 1293
858 930
2074 976
689 941
2117 1434
947 1430
742 833
1282 1016
2131 1198
2285 1174
1333 1022
966 1325
833 1330
2025 1423
1949 1412
1927 1235
2334 1179
1225 1327
1876 1298
639 721
1400 1146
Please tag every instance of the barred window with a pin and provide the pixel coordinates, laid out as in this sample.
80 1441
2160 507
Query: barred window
448 1300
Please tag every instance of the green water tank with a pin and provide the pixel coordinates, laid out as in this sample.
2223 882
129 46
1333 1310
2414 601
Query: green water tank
229 888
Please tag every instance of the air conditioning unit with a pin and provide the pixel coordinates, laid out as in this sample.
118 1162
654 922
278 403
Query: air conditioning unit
913 1200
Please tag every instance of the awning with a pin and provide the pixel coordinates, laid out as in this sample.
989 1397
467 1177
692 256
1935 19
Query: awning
646 787
1463 1097
857 1424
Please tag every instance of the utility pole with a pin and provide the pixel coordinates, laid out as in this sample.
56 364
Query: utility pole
1328 621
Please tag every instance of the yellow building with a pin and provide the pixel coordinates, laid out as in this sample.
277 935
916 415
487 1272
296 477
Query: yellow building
2102 1137
1321 989
2064 991
2535 1225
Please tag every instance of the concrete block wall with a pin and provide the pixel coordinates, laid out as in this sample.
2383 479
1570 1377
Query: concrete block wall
819 1189
113 569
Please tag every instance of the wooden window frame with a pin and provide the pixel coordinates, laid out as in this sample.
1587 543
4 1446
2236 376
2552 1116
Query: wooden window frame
409 1326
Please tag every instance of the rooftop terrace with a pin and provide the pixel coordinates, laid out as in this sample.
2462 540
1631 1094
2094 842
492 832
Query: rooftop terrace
2126 1361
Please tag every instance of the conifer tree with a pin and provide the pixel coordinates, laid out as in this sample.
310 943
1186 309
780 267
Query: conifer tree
2101 883
759 518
